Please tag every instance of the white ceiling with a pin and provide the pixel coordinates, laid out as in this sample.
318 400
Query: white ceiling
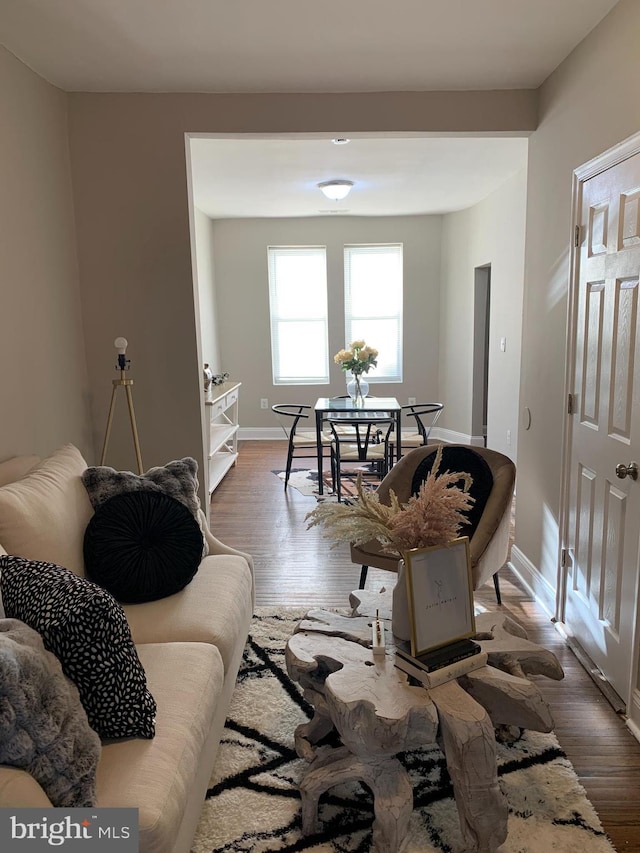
295 45
305 46
392 176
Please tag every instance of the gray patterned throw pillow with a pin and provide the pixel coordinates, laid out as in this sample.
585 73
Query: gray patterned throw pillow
176 479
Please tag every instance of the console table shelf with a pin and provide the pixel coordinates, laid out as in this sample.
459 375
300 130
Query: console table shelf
222 408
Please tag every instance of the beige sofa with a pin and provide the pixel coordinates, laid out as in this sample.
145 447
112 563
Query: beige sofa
190 645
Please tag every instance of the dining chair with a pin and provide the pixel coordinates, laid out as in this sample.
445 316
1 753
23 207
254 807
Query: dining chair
489 519
298 426
345 428
366 441
425 416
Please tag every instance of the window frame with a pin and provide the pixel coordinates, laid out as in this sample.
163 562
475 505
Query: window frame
276 317
375 376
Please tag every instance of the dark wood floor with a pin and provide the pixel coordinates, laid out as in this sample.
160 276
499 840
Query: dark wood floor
296 566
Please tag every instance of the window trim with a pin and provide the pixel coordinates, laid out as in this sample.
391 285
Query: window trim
374 376
275 319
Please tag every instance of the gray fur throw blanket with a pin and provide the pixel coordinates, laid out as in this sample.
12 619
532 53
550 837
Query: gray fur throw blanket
43 726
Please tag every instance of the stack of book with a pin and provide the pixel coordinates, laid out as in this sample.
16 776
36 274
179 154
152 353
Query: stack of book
442 664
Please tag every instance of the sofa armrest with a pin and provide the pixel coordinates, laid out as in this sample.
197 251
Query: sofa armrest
18 789
218 547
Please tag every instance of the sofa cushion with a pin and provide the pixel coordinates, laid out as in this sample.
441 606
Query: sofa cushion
156 776
85 627
178 479
16 467
18 789
214 608
142 546
43 727
43 516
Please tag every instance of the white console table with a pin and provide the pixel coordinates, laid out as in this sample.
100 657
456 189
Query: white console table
222 407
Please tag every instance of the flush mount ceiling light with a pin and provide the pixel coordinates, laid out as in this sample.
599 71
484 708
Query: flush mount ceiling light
336 190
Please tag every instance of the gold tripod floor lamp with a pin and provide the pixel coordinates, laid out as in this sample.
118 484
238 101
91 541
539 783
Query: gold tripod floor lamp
123 365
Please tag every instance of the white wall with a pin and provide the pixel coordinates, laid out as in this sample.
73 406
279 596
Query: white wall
491 232
43 386
587 105
240 248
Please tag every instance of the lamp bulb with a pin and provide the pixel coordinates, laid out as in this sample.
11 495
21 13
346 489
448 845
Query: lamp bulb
121 345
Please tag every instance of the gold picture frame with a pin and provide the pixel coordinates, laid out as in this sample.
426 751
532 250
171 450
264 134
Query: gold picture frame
440 595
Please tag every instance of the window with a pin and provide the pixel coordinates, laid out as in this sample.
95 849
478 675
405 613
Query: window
373 305
298 307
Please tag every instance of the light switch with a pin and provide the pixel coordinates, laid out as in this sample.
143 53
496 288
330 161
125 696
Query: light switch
503 344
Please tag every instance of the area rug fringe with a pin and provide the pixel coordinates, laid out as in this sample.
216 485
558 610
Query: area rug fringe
253 804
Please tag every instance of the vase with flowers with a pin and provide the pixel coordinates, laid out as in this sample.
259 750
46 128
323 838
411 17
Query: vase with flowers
358 359
433 516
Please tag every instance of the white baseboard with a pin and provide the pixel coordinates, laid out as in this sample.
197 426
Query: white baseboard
453 437
261 434
537 586
477 440
634 715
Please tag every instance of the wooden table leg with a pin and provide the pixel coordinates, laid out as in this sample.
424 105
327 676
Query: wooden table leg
388 781
469 746
308 734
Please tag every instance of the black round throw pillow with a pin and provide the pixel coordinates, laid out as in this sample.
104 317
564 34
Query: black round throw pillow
142 546
468 461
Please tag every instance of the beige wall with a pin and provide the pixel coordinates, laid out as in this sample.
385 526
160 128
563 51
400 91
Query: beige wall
44 387
206 319
129 178
207 302
130 191
240 248
491 232
589 104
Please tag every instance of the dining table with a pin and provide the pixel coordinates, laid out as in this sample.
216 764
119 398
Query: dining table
349 409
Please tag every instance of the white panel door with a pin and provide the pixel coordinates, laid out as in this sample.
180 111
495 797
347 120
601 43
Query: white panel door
604 510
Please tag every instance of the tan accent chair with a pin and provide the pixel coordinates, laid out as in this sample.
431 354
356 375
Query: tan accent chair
489 541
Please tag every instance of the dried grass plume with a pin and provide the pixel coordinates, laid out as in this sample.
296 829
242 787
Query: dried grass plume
432 517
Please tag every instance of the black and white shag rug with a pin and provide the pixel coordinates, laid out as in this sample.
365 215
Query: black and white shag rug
253 805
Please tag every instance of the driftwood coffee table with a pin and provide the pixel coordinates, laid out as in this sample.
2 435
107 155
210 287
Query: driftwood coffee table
378 714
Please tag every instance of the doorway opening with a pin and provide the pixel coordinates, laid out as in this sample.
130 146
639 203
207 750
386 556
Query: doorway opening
480 381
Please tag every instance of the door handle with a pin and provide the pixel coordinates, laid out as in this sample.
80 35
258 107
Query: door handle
630 470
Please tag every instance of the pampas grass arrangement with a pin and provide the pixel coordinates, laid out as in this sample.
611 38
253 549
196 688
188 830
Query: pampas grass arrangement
432 517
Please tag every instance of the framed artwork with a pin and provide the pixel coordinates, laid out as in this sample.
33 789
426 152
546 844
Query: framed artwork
440 595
